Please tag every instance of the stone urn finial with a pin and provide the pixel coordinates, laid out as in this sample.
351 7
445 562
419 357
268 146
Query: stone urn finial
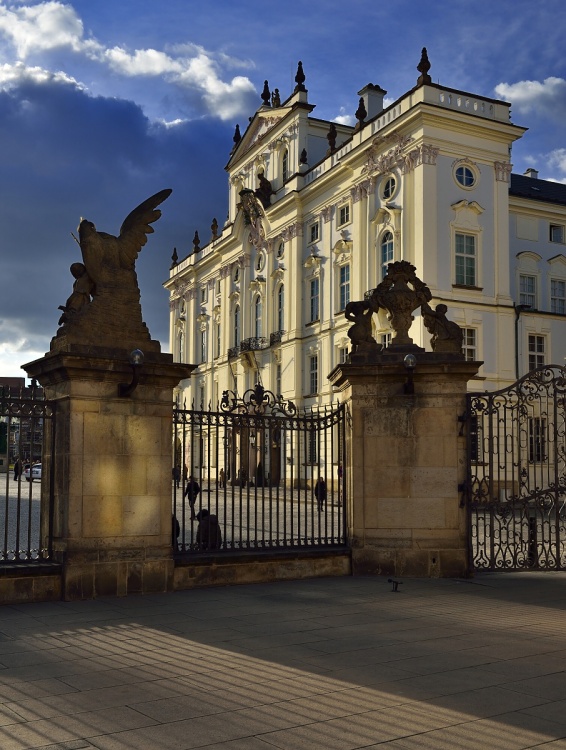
400 293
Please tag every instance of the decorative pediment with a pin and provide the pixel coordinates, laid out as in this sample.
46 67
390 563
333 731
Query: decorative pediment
279 273
467 213
557 261
342 252
312 263
389 215
258 284
234 297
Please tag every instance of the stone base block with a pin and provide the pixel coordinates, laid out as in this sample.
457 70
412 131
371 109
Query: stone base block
222 571
447 563
89 580
17 587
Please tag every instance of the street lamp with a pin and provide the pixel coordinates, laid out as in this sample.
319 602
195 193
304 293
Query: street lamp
136 359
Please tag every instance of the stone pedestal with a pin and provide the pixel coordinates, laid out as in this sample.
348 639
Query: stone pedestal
111 471
405 460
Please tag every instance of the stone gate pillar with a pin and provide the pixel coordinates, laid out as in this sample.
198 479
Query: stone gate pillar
406 460
112 470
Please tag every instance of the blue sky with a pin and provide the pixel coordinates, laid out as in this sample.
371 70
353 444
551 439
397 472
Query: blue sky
103 103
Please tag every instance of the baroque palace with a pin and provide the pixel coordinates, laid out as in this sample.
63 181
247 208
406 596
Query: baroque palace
317 211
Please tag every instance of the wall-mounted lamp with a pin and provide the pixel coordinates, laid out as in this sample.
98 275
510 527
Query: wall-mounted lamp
136 359
410 362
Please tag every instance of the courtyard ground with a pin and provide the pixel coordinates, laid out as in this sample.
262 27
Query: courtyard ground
327 663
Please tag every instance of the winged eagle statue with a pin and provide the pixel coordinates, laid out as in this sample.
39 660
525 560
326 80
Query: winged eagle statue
104 308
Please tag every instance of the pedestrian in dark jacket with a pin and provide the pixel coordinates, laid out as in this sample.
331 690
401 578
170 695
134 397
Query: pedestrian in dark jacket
191 493
320 493
208 531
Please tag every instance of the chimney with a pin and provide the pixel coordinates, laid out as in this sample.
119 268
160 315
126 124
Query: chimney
532 173
373 99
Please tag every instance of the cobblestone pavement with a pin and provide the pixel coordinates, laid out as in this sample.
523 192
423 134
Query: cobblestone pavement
334 664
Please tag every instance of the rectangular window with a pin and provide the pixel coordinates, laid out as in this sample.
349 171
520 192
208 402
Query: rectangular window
203 346
536 351
558 296
218 288
218 340
278 380
385 339
313 374
557 233
537 439
344 214
314 300
203 295
466 259
528 290
469 344
344 286
313 232
342 355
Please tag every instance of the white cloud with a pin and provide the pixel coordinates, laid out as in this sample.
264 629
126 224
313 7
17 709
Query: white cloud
344 119
143 62
18 74
41 27
557 158
548 95
34 29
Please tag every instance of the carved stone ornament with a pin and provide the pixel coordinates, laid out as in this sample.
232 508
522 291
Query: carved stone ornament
360 334
447 336
502 171
104 308
399 294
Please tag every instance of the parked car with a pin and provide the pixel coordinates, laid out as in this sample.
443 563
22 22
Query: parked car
33 473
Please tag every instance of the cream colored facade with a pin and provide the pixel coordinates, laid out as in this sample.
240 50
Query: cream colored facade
427 180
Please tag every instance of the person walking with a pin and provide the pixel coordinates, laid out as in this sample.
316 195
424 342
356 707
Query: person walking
222 478
17 469
320 493
191 493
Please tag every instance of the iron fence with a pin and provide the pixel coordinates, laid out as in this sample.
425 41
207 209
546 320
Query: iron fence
26 508
516 484
255 474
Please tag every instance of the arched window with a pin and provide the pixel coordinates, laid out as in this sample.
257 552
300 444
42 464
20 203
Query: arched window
258 309
386 247
285 165
237 325
281 308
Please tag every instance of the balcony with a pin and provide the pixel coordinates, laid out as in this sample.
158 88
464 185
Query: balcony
254 344
275 337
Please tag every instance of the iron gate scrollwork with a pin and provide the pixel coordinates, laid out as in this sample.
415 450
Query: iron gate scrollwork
251 467
516 483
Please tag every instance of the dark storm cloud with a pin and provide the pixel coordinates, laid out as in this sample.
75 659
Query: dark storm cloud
64 155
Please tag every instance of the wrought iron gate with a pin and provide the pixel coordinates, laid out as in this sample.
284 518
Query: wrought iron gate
258 475
27 421
516 484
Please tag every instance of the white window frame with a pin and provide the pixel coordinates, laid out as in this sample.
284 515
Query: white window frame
528 290
470 344
285 165
258 316
314 232
389 186
557 233
342 354
314 299
280 301
558 296
386 242
344 275
464 279
536 350
237 325
386 339
313 374
344 214
202 347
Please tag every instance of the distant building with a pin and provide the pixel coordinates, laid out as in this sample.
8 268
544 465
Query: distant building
19 435
316 212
